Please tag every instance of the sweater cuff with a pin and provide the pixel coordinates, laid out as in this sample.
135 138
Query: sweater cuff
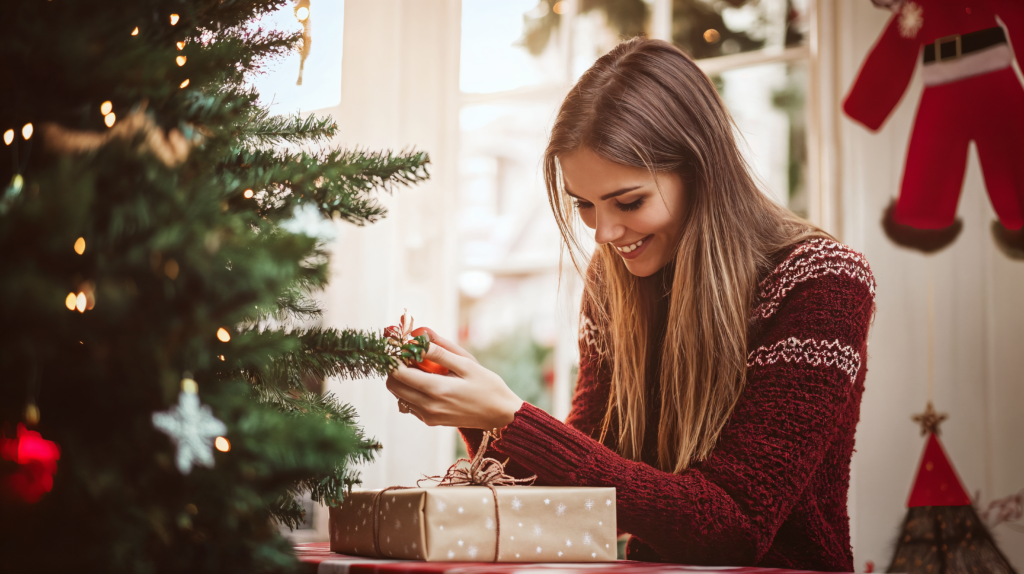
552 450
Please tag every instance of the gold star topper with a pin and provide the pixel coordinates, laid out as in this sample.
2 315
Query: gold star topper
929 420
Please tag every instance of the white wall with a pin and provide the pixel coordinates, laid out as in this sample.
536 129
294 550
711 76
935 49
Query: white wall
399 90
979 324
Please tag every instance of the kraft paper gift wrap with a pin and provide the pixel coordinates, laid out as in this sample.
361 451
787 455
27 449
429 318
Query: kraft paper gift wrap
538 524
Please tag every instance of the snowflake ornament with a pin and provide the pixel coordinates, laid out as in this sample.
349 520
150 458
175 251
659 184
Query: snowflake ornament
911 19
193 429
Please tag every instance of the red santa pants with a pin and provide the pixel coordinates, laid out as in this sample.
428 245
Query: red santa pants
988 109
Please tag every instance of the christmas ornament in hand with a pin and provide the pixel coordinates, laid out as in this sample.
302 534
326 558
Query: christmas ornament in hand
192 427
406 339
970 93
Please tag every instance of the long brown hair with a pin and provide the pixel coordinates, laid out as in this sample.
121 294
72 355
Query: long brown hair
646 104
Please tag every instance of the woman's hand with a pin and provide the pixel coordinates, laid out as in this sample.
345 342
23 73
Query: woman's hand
470 396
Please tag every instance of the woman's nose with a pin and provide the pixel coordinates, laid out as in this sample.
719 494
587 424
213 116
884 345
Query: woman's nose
608 230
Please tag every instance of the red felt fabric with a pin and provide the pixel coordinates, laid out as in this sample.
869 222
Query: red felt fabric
936 483
987 108
774 491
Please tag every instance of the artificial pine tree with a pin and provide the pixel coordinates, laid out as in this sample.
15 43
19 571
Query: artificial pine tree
154 300
942 533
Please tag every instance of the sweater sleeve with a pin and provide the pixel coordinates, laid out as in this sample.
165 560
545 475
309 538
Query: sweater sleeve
727 509
884 76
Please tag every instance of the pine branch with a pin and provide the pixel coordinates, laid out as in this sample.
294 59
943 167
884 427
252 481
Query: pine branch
264 129
341 183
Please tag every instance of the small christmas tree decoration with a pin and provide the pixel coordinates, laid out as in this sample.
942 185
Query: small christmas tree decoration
37 463
942 533
192 427
411 344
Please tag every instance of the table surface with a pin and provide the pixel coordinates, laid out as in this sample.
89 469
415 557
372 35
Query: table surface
316 557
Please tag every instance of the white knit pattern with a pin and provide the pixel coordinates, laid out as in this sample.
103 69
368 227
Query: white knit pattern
811 352
589 335
811 260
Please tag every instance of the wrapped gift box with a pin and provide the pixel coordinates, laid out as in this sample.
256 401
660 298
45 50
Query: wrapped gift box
538 524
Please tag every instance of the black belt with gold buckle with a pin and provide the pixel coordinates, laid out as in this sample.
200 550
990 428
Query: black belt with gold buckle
952 47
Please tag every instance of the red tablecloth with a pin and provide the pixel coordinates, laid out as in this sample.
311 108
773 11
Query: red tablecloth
318 558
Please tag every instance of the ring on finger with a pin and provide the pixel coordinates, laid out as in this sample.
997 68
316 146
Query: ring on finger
404 407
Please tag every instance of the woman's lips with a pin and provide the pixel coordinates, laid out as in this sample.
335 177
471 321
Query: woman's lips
638 250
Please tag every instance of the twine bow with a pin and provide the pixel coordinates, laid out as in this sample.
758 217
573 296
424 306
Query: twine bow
482 471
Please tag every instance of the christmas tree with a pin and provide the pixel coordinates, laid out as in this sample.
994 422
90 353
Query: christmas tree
942 533
157 298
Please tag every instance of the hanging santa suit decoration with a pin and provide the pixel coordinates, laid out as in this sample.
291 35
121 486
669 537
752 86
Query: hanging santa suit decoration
971 93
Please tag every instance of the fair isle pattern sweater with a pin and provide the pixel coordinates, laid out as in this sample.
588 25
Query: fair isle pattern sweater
774 490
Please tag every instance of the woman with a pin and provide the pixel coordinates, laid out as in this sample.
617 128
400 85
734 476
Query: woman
723 339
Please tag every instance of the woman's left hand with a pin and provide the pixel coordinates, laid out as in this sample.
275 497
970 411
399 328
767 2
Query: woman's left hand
470 396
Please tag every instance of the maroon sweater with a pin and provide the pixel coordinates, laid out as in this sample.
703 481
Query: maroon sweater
773 492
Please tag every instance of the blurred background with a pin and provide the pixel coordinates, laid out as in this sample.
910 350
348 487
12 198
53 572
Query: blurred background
475 253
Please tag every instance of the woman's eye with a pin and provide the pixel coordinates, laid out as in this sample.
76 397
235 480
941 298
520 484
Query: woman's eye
633 206
582 204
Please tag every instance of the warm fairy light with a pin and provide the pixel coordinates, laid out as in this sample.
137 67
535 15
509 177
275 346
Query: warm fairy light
302 13
711 36
8 137
180 45
247 194
558 8
171 269
184 84
106 107
80 245
135 32
109 119
26 131
71 302
181 60
189 386
223 335
31 414
80 302
174 19
221 357
222 444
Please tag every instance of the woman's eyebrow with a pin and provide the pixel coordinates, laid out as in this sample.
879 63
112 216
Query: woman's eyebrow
607 195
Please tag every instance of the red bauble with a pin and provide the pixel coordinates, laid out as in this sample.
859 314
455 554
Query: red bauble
37 460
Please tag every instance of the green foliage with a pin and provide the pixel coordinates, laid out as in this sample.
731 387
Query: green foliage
174 252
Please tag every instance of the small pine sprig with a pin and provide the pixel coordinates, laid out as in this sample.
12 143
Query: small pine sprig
264 130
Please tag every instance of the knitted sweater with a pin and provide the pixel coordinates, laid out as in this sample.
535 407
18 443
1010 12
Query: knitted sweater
774 490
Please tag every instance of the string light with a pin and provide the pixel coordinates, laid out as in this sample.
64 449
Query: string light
558 8
80 302
71 302
189 386
247 194
31 414
8 137
221 357
180 60
223 335
80 245
184 84
171 269
174 19
26 131
302 13
135 32
711 36
106 107
222 444
109 119
180 45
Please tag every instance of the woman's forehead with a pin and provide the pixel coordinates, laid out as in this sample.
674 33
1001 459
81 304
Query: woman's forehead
591 176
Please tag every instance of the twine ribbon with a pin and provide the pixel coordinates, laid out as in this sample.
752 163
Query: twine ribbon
482 471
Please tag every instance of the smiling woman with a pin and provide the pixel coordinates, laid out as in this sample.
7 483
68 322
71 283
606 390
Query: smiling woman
722 341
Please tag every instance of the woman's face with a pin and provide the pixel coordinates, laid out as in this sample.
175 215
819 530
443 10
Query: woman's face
624 206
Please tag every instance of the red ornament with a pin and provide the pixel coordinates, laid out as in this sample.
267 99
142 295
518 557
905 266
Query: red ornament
403 333
37 458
